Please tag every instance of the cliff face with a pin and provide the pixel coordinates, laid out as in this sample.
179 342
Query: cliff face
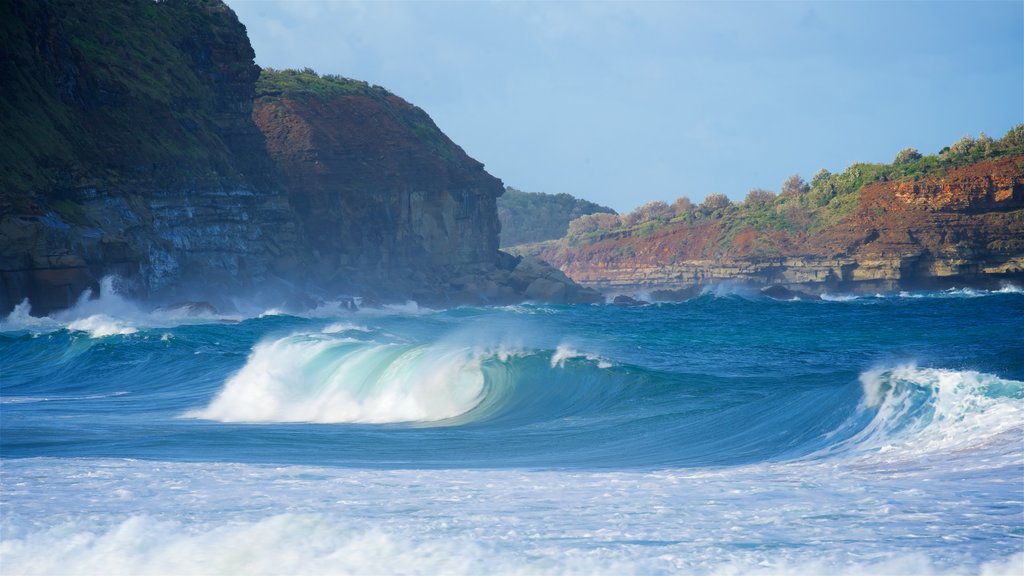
387 199
129 149
963 228
131 146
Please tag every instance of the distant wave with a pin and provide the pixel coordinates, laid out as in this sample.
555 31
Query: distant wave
106 313
1006 288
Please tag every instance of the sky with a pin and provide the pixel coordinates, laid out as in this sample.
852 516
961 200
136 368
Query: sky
622 103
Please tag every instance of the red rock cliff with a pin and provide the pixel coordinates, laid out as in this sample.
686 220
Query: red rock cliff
965 227
386 198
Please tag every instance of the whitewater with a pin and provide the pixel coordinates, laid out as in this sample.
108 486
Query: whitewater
731 434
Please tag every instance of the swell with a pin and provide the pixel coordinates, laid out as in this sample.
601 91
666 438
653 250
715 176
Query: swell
696 384
561 406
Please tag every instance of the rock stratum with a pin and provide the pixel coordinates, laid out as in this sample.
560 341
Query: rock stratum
938 226
141 140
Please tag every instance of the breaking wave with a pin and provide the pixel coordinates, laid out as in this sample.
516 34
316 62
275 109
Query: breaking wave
910 411
313 543
308 378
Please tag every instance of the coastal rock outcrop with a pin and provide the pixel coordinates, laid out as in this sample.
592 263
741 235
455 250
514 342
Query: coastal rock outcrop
963 227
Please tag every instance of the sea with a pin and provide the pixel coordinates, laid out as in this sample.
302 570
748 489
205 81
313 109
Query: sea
730 434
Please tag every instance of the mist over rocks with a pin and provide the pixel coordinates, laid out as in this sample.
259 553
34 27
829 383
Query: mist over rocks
140 140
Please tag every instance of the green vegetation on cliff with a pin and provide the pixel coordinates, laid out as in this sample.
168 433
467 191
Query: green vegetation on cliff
765 223
116 91
291 83
534 216
275 86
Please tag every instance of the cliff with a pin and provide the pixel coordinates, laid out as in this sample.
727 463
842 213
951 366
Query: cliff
141 140
944 223
128 149
391 201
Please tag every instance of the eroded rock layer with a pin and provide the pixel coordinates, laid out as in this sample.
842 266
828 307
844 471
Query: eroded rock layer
385 197
963 228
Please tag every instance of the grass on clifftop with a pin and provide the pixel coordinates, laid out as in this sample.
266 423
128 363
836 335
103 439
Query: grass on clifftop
98 91
289 82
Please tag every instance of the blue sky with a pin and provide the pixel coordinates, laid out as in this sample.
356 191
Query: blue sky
622 103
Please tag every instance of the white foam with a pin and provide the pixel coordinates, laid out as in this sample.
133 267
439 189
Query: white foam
216 518
923 410
280 544
565 352
318 379
101 325
107 314
1008 288
839 297
20 319
318 544
339 327
727 289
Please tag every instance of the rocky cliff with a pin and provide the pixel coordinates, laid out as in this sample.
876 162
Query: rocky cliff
135 143
956 226
391 201
129 150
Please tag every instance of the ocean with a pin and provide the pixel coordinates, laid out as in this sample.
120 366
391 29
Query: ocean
730 434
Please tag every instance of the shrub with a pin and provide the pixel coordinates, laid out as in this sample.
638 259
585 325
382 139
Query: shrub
715 205
656 210
906 156
794 186
820 178
759 198
682 207
963 146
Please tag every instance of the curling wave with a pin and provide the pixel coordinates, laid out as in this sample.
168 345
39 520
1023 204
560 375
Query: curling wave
912 410
311 378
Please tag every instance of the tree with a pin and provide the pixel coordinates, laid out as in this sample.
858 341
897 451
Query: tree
759 198
907 155
714 204
582 225
682 207
1014 138
820 178
794 186
963 146
631 219
986 143
606 220
656 210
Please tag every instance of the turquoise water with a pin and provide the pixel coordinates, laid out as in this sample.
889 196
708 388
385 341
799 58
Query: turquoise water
728 434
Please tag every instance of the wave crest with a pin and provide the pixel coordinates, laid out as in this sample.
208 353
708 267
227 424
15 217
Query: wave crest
929 409
310 378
